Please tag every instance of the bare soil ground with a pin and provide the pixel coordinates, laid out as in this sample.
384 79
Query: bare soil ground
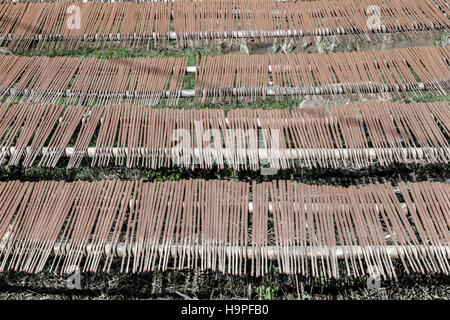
209 285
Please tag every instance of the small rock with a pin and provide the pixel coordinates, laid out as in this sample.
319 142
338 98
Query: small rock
4 51
288 45
406 43
243 47
444 40
321 102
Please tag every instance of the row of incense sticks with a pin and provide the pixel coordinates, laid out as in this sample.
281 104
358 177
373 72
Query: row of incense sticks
136 226
71 24
145 81
92 81
353 135
397 70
